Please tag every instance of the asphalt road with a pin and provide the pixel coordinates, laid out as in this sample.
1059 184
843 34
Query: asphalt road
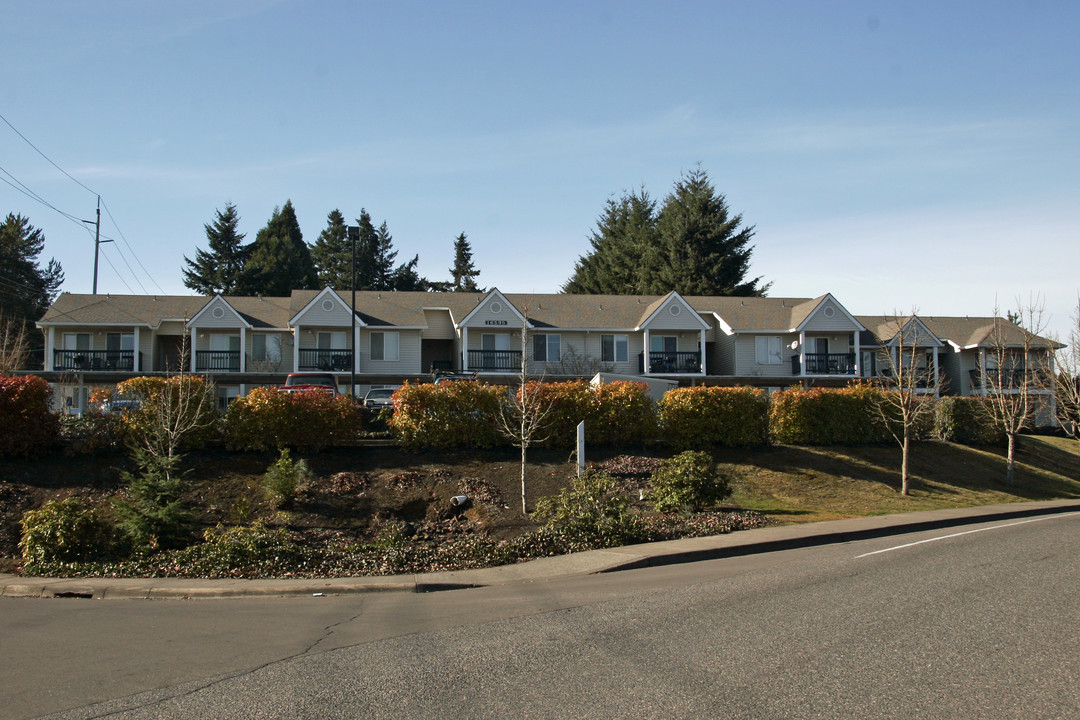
982 623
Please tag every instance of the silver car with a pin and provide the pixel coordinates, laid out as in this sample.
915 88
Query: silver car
380 398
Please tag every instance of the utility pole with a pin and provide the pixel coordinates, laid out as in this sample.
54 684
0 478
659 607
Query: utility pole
97 239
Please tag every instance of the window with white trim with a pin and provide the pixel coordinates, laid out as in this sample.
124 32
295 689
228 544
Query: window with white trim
614 348
385 346
547 348
768 350
266 347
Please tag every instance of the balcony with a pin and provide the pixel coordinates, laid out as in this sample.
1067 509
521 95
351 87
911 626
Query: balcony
329 360
495 360
1014 379
82 360
825 364
671 363
217 361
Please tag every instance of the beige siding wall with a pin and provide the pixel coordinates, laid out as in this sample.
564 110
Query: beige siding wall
686 319
228 319
820 322
722 355
746 363
408 361
439 325
337 316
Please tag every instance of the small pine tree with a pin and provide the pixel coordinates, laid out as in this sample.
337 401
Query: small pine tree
218 269
464 273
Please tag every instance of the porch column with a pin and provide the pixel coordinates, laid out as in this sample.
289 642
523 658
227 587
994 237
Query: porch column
937 374
802 354
701 353
296 349
356 350
465 349
980 371
50 343
858 356
243 349
136 365
194 344
646 359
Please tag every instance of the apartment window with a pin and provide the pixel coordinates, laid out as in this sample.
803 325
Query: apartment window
120 342
768 350
76 341
493 341
614 348
331 341
663 343
547 348
224 343
265 347
384 346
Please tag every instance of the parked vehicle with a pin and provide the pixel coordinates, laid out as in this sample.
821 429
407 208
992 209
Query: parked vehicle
447 376
380 398
310 381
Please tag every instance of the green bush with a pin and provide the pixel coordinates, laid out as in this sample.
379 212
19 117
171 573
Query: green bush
965 420
460 414
152 514
171 413
62 531
284 478
616 413
238 551
593 510
268 419
688 481
26 425
91 433
704 417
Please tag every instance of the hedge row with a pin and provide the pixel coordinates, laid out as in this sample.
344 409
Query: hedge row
701 417
618 413
462 414
267 419
26 425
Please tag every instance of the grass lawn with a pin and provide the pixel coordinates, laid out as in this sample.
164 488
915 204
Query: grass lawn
808 484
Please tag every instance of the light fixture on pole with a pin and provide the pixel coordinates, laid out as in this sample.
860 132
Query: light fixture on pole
353 233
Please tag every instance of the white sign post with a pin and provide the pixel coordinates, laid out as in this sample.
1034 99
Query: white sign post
580 448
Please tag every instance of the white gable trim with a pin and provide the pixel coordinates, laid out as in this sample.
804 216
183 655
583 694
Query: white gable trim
493 295
931 340
318 299
828 296
672 298
193 321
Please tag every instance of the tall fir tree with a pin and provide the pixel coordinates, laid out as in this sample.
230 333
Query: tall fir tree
332 253
623 233
691 246
280 260
406 278
464 273
218 269
26 288
702 249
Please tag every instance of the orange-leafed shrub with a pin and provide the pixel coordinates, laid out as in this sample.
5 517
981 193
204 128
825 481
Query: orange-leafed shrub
268 419
704 417
460 414
618 413
181 406
26 425
843 416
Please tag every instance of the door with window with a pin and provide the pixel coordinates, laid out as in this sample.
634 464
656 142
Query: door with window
663 353
120 351
224 353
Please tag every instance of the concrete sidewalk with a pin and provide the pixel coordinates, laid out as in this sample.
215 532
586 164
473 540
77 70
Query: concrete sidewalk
594 561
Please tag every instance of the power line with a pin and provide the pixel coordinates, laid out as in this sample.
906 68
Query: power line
133 254
16 130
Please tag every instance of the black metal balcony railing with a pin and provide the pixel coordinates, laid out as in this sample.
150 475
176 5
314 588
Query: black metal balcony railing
1010 379
825 364
118 360
217 361
331 360
671 362
495 360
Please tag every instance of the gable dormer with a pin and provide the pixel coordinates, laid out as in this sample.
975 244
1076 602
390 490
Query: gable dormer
672 312
494 311
218 313
327 309
829 316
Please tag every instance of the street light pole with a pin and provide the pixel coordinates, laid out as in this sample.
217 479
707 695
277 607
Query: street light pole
97 239
353 233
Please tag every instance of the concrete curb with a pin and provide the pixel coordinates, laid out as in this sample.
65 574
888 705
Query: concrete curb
770 539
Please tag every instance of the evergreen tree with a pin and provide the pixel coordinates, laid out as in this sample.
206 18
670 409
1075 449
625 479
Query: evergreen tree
332 253
280 260
26 288
691 246
622 235
218 269
702 251
463 273
405 277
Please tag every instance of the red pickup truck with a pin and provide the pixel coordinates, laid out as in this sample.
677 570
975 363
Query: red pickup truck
295 382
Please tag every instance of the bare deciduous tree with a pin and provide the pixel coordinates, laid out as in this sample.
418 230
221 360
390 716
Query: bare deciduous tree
14 345
903 405
1067 389
521 416
1016 369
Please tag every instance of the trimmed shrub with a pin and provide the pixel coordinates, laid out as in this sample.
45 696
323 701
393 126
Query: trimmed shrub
593 509
284 478
91 433
179 410
616 413
26 425
965 420
703 417
689 481
826 417
61 531
445 415
268 419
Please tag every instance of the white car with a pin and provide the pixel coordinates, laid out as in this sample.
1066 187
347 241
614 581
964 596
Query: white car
380 398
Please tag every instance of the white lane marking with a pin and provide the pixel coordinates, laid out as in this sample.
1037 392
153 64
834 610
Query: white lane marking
966 532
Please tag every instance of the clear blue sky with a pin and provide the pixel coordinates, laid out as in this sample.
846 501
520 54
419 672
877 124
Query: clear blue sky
896 154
